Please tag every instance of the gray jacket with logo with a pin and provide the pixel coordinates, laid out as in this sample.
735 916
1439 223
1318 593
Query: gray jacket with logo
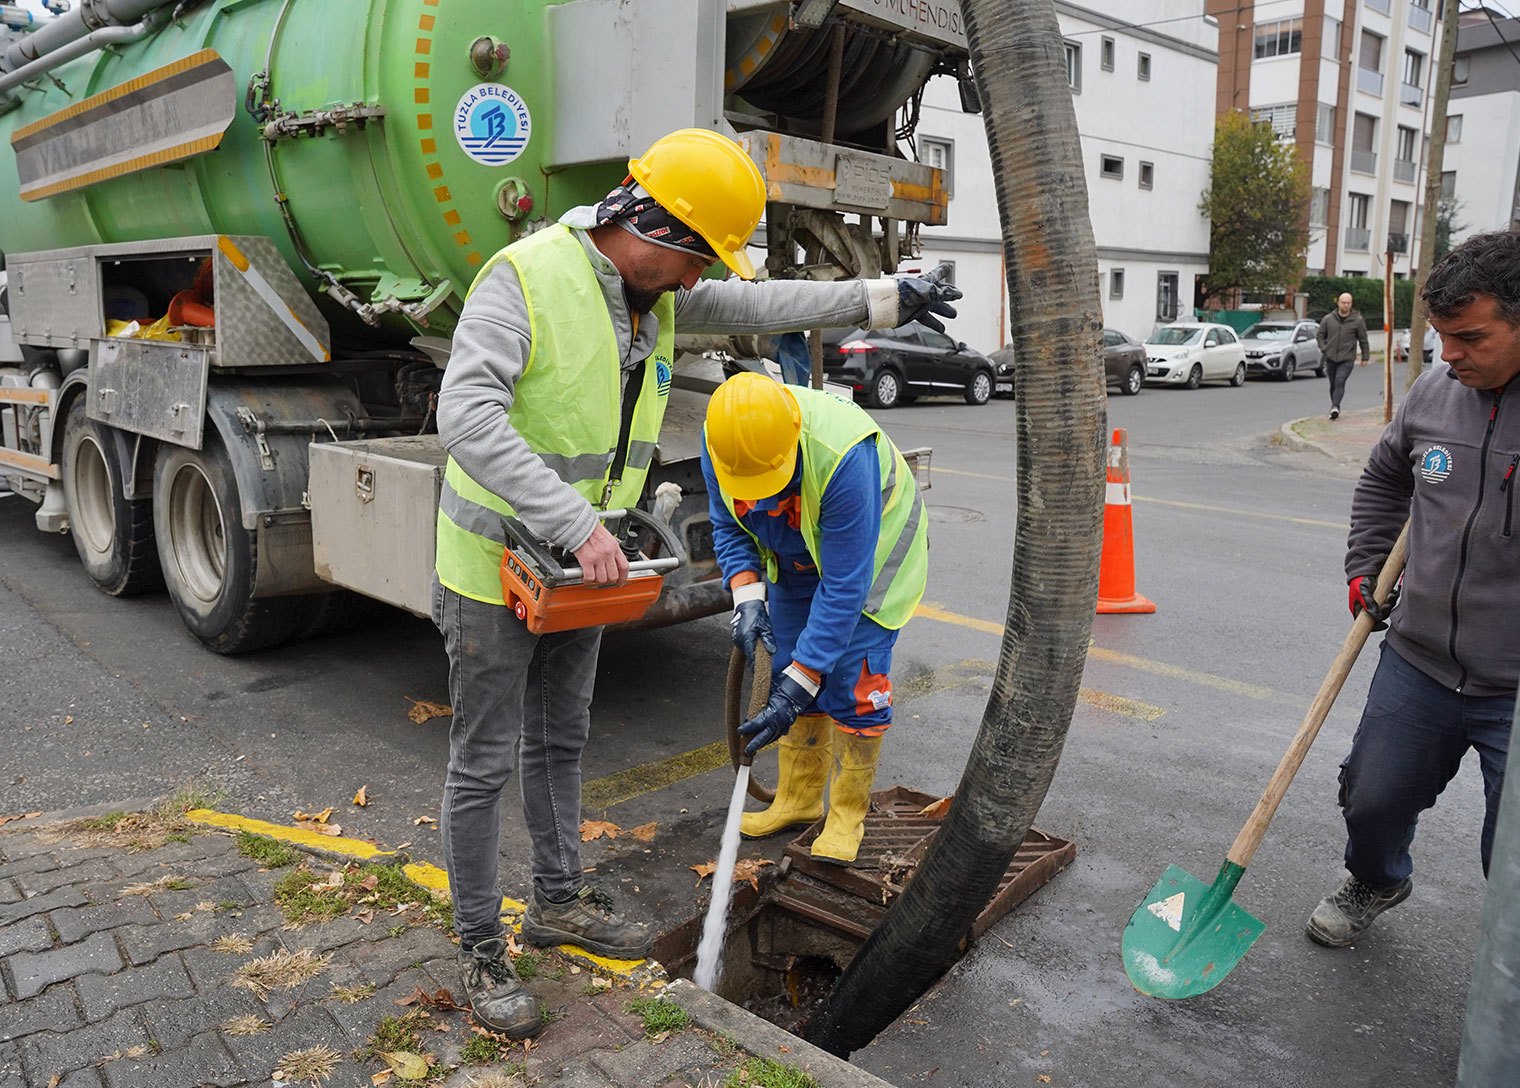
1450 462
1339 337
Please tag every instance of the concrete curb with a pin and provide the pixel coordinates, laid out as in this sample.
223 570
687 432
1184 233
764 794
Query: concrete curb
765 1040
83 812
1295 441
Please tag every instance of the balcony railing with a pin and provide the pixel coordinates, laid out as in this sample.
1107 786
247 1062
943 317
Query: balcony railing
1420 18
1369 81
1410 95
1363 162
1403 170
1357 239
1379 5
1397 243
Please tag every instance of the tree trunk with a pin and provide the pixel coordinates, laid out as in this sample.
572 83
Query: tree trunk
1434 163
1051 264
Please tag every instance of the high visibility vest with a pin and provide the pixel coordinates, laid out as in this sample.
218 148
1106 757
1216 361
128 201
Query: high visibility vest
566 406
831 427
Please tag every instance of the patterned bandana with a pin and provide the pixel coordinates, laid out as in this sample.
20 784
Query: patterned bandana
633 209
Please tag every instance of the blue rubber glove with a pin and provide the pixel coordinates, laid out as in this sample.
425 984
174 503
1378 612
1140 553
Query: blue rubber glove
788 699
751 624
920 299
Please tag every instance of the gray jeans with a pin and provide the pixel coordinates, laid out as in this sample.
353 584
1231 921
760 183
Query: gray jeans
515 696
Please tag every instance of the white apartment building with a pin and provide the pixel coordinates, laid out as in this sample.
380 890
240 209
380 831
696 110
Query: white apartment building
1142 77
1348 81
1482 160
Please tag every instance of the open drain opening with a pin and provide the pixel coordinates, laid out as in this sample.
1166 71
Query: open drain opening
789 938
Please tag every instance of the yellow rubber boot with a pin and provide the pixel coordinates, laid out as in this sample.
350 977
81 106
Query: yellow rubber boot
804 755
849 797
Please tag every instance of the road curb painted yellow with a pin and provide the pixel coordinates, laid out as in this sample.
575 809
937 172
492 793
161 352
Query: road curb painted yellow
642 973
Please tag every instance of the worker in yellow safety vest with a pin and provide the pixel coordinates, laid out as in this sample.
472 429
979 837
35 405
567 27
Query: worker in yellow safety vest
820 532
550 410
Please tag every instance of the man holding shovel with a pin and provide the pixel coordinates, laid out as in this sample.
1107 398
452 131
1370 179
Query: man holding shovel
1446 680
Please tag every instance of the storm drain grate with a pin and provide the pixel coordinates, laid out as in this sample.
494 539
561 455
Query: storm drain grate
898 832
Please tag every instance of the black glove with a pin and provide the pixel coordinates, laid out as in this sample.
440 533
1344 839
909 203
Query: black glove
751 624
788 699
1361 598
920 299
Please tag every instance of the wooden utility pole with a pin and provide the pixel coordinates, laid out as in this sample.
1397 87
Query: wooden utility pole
1388 336
1434 163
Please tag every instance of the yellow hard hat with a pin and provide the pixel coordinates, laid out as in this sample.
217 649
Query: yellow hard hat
707 182
752 428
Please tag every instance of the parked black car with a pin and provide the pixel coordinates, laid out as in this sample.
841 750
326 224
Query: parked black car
1123 364
887 367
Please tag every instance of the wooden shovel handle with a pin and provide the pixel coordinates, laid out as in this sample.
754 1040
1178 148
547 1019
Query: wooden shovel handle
1244 847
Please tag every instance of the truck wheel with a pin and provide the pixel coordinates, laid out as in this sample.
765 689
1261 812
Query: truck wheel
114 537
209 559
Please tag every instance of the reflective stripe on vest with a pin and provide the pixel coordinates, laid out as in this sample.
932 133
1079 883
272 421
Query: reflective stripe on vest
831 427
566 406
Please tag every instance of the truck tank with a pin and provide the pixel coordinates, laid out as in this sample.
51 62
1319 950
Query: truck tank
305 190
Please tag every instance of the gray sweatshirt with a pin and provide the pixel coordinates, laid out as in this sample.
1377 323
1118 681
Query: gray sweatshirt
1450 462
492 344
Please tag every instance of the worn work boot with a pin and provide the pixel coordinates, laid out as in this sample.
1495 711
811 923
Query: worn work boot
585 919
497 998
1345 914
849 797
804 756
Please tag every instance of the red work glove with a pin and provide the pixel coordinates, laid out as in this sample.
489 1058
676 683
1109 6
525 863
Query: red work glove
1360 597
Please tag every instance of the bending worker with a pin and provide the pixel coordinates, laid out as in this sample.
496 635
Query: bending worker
820 532
550 410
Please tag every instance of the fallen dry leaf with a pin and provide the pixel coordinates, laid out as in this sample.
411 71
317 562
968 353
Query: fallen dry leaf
1043 1078
365 917
333 882
54 1080
405 1064
423 820
749 869
512 945
644 832
21 816
331 830
362 797
381 1077
369 882
936 809
595 829
423 711
313 817
707 868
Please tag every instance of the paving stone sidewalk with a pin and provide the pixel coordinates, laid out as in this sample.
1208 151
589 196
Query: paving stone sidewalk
1346 440
120 969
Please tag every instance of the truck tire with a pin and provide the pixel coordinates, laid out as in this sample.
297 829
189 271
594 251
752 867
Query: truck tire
113 536
209 560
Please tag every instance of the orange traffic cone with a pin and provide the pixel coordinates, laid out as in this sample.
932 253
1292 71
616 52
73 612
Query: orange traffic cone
1116 574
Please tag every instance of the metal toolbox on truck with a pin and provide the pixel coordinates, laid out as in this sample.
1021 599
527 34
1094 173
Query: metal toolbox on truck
374 505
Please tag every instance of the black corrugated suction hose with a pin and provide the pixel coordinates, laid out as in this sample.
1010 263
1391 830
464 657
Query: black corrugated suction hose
760 691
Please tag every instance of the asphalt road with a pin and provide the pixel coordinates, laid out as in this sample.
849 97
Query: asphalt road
1239 543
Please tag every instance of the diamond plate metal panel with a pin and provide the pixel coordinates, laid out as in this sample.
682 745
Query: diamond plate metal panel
151 387
257 328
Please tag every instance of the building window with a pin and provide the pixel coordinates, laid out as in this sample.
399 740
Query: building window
940 154
1359 205
1448 184
1279 38
1074 66
1319 208
1330 44
1405 149
1371 56
1379 5
1454 128
1166 296
1116 283
1106 55
1363 142
1414 67
948 275
1324 124
1111 166
1459 71
1283 119
1147 175
1143 67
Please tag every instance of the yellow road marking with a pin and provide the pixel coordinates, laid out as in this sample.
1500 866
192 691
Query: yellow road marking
614 789
1172 502
640 972
1221 683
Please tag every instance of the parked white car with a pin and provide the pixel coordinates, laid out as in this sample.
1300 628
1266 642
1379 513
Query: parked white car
1189 353
1401 344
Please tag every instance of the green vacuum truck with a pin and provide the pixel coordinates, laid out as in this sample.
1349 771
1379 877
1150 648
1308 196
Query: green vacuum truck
237 234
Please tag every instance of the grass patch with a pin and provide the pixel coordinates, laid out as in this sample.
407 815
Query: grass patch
236 945
283 970
312 1065
247 1024
352 995
659 1015
177 836
394 1033
527 964
766 1073
486 1049
304 897
162 884
190 795
270 853
107 822
508 1076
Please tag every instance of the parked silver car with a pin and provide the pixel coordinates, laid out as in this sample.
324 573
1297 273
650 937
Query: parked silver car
1283 349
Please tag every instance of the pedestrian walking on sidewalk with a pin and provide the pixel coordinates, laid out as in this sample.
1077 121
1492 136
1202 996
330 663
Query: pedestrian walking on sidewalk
550 410
1449 463
821 535
1341 333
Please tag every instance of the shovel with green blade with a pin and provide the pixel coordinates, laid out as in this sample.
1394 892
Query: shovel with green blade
1187 935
